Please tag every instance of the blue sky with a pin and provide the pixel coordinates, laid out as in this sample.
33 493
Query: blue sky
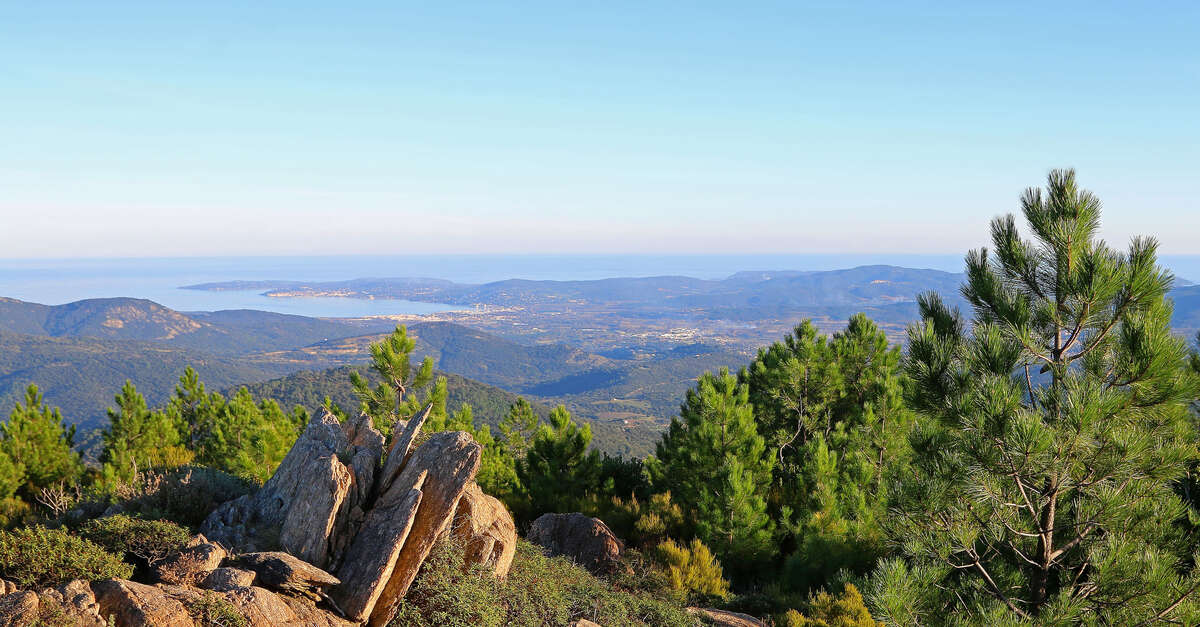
130 129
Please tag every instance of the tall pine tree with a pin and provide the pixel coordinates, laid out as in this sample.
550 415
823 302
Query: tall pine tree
717 467
1053 433
139 439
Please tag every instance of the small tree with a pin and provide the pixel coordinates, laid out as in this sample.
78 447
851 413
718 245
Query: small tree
558 471
138 438
718 468
36 439
1054 433
392 398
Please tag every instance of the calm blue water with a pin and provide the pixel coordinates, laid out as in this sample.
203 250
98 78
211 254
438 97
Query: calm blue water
57 281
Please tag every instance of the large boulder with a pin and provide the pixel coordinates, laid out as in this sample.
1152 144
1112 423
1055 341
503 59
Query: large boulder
307 504
139 605
376 577
486 530
586 540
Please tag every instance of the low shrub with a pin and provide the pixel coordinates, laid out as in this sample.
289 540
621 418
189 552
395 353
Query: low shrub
694 571
37 557
212 610
186 495
147 540
826 610
539 590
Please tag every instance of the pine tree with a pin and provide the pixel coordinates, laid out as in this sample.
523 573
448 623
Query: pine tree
717 467
1052 436
392 399
558 471
36 439
139 439
248 438
834 406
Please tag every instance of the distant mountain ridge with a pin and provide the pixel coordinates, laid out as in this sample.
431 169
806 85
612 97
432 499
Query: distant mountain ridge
863 285
223 332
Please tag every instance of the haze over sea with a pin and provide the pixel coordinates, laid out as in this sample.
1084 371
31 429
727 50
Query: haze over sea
58 281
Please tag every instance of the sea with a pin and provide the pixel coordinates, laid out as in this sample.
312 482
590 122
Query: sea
59 281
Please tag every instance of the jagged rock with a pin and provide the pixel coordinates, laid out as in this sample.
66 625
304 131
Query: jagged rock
7 587
404 434
138 605
586 540
285 572
77 601
309 494
225 579
18 609
443 467
486 529
451 460
372 557
366 445
190 564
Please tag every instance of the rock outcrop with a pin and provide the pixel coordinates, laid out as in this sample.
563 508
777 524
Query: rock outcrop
586 540
307 506
439 471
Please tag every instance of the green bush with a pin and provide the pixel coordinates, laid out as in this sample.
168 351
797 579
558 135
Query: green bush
148 540
826 610
539 590
694 571
37 557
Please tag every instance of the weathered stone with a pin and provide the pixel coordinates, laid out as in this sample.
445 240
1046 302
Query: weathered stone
261 607
583 622
366 445
404 434
486 529
723 618
76 601
451 460
190 564
281 571
312 616
586 540
300 507
7 587
372 557
138 605
18 609
225 579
